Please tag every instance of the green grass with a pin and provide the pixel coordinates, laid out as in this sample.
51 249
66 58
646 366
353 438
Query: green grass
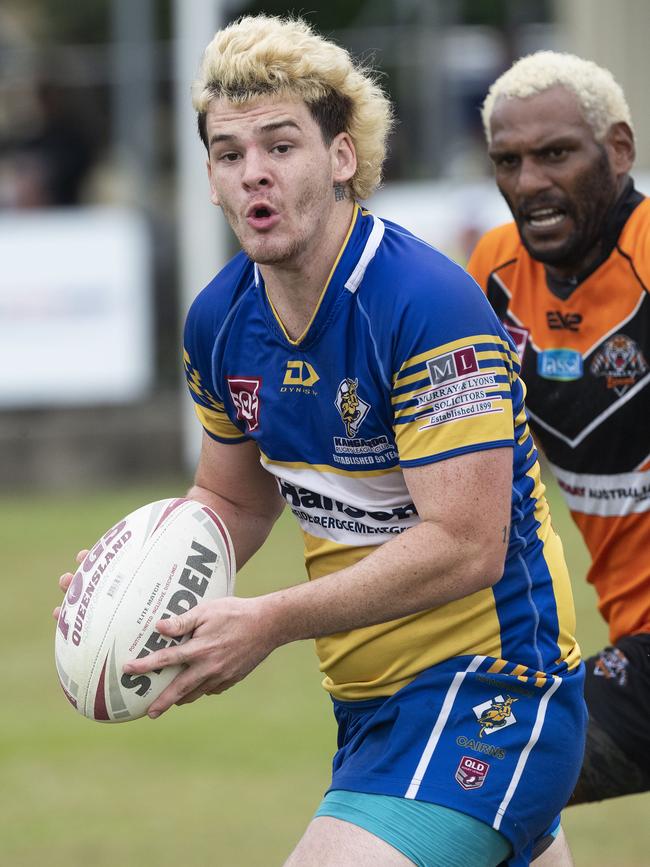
230 781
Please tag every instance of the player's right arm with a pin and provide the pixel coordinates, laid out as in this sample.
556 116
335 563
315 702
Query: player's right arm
231 480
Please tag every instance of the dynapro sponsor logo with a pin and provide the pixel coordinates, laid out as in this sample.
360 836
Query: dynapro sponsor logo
194 581
562 365
81 592
302 498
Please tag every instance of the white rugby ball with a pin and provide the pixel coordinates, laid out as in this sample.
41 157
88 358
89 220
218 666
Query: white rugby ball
160 560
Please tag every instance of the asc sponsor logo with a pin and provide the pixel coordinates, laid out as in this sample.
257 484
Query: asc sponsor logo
244 392
620 362
495 714
351 406
562 365
471 773
299 377
558 321
452 365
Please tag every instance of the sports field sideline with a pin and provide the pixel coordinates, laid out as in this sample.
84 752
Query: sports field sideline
230 781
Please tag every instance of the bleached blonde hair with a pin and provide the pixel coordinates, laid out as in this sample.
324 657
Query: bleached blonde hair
262 55
599 95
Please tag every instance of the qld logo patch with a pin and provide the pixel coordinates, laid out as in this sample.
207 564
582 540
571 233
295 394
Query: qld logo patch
245 396
352 408
495 714
519 337
620 362
471 773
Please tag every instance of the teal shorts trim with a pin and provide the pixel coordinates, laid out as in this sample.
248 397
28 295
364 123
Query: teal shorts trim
427 834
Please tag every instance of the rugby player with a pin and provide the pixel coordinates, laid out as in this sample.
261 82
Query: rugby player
342 367
569 278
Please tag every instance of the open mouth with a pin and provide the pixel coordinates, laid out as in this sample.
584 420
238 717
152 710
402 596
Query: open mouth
544 218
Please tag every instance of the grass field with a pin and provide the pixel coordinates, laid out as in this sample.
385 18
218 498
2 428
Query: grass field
229 781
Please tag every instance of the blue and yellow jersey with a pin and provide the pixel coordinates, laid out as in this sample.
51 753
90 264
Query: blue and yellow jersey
403 363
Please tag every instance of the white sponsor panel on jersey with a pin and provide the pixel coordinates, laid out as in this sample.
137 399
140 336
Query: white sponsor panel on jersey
606 496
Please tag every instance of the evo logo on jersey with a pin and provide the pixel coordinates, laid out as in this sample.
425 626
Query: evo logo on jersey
452 365
558 321
562 365
245 396
495 714
300 376
471 773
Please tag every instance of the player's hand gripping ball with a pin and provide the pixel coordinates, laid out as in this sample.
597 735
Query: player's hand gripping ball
161 560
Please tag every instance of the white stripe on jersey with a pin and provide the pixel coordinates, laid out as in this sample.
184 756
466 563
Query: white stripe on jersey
523 758
606 496
440 723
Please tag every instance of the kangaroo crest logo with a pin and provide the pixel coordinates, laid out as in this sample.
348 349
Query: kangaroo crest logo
352 408
495 714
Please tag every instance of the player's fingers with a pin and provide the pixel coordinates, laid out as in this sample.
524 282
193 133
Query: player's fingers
81 556
185 684
65 579
178 624
181 654
56 612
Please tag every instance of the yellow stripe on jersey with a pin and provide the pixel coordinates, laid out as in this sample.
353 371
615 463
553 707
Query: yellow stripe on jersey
403 378
217 423
417 439
327 468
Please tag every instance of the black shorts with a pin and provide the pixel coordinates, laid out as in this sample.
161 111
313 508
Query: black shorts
617 692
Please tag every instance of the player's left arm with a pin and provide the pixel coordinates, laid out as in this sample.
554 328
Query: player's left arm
457 549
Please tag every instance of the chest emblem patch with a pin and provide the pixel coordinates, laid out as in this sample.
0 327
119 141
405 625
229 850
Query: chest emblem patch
620 362
352 408
245 396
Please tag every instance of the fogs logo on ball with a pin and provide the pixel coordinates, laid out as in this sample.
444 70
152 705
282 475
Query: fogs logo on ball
245 396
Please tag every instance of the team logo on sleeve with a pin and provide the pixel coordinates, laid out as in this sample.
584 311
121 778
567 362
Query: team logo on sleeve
471 773
621 362
495 714
452 365
245 397
352 408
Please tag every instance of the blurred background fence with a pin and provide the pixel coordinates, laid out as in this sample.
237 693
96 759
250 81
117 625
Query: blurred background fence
106 231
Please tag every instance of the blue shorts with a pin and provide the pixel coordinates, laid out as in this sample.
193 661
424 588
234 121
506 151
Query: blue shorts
506 750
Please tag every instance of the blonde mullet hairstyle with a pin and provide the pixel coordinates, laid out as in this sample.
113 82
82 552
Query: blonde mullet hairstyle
600 97
262 55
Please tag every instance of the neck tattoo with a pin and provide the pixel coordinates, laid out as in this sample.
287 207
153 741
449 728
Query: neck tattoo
339 192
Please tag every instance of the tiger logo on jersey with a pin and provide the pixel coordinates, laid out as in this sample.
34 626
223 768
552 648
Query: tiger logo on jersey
495 714
621 362
352 408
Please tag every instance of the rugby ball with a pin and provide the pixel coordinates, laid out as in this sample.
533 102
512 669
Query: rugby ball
160 560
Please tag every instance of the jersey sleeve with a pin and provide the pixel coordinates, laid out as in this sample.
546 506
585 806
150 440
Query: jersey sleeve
452 389
197 359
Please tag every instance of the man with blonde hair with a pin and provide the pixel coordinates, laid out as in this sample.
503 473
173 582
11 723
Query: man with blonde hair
343 367
569 279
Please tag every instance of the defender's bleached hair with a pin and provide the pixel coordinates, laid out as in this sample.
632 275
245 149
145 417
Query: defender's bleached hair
264 55
600 97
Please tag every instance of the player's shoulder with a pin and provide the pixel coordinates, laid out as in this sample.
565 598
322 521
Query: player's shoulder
415 270
633 240
496 248
215 301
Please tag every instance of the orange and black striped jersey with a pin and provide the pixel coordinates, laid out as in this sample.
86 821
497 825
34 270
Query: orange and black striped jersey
585 351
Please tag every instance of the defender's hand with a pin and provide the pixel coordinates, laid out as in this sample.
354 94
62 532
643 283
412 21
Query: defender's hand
228 641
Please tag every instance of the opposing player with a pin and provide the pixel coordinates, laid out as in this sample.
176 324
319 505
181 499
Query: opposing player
343 367
569 278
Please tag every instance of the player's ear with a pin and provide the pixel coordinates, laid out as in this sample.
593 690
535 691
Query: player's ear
344 158
619 143
214 196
